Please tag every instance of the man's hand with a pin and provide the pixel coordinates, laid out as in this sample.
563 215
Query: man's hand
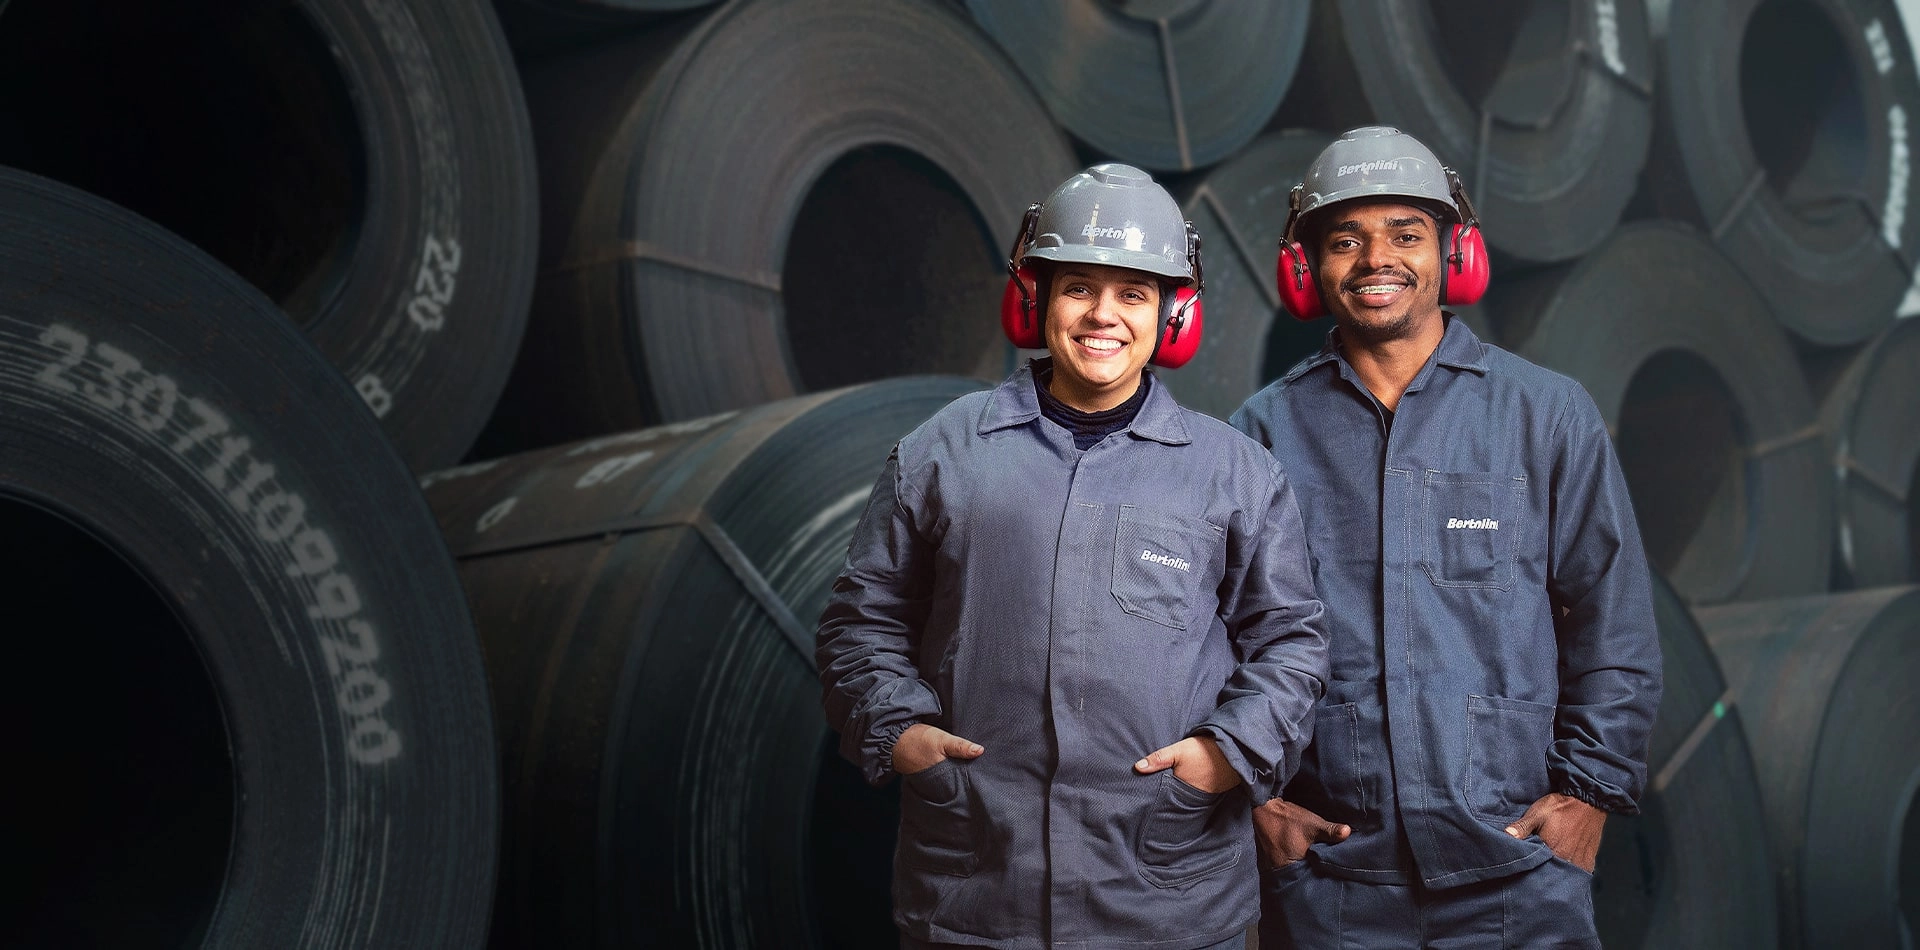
1566 824
1283 831
1196 761
922 747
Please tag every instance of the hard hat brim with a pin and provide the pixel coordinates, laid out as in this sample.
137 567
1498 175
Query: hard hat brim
1113 257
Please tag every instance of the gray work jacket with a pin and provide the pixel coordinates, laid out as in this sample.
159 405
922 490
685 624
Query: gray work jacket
1488 602
1072 611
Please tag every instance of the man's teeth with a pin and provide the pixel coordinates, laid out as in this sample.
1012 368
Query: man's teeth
1379 288
1098 344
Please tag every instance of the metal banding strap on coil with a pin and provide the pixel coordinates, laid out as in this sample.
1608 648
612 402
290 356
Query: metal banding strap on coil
542 27
1691 871
257 699
365 163
737 214
1827 686
1545 109
1787 132
646 602
1240 209
1169 85
1871 419
1710 413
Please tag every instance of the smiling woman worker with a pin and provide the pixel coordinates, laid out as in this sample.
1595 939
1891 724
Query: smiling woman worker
1077 617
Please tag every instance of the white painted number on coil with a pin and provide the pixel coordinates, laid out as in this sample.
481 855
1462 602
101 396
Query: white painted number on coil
115 382
607 470
1894 219
1882 48
1609 24
493 515
374 394
434 284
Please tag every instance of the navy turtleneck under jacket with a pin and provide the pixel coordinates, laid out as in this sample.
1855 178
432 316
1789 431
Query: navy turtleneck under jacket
1089 428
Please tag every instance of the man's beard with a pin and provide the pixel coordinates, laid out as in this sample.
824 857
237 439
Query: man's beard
1398 328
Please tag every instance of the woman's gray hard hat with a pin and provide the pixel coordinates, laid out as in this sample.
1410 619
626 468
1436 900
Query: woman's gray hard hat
1116 215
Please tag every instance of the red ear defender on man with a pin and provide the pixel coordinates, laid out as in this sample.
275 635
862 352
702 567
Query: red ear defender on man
1115 215
1383 162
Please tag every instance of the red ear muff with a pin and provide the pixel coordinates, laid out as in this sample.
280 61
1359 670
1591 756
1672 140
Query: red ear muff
1464 279
1299 292
1181 339
1019 316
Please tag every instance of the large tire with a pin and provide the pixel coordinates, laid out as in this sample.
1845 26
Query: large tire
1169 85
787 196
647 602
1710 413
1827 683
1785 134
163 426
366 163
1544 108
1690 872
1872 421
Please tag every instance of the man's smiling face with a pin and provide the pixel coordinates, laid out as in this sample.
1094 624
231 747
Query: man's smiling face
1378 264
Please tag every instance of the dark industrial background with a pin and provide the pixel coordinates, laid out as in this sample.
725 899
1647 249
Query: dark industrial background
428 429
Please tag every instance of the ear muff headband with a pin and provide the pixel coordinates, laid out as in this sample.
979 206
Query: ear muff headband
1463 277
1019 311
1181 317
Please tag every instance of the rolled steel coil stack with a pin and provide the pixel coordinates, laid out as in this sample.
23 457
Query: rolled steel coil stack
640 292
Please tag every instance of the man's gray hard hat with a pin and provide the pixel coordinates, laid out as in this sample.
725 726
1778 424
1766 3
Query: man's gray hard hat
1378 161
1116 215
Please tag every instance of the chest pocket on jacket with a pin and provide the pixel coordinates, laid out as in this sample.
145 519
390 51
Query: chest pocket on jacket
1468 523
1164 564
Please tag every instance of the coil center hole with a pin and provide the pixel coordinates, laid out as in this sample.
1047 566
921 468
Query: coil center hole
889 271
1682 447
1805 116
1511 58
226 122
123 794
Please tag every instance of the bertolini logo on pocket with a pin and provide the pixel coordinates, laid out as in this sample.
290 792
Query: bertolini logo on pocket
1481 524
1178 563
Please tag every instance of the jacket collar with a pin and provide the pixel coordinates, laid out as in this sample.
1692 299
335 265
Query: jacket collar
1015 403
1459 348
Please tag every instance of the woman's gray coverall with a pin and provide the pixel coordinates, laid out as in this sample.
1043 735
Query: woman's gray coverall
1072 611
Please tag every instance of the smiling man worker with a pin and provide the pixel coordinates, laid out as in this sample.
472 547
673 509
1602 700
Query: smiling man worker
1495 662
1077 618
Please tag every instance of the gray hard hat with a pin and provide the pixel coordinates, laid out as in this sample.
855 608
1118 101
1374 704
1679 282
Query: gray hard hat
1379 161
1116 215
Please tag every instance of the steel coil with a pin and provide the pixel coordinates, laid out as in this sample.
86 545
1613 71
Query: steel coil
1827 683
1692 870
366 163
1872 420
544 27
646 604
1170 85
1240 210
1710 415
791 195
1784 135
1545 108
256 714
